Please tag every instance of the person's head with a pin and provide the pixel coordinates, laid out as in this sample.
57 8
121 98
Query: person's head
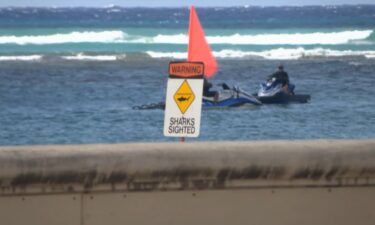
281 67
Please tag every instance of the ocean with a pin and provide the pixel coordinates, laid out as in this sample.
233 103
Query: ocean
73 75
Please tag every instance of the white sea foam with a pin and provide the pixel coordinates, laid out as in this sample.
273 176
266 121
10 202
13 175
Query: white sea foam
83 57
332 38
294 53
21 58
77 57
279 53
174 55
117 36
298 38
73 37
273 54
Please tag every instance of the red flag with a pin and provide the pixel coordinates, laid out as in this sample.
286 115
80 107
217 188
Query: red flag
198 48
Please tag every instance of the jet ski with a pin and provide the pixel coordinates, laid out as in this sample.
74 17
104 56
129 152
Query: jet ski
271 92
230 97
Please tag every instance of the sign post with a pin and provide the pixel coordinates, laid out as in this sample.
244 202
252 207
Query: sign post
183 103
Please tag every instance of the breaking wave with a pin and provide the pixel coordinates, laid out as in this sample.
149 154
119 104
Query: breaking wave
273 54
117 36
83 57
333 38
279 54
73 37
21 58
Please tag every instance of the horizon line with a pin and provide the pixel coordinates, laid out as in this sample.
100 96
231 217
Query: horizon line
186 6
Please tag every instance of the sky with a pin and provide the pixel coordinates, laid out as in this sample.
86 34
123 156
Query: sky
174 3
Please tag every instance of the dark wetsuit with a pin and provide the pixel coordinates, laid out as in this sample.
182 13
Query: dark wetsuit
206 89
281 77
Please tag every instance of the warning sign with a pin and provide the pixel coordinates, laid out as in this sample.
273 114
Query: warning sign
184 99
186 69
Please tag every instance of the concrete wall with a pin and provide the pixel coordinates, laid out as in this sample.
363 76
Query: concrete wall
276 182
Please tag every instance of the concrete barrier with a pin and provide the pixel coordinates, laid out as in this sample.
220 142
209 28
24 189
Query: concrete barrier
277 182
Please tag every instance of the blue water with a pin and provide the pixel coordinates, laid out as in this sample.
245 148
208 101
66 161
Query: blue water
48 98
249 30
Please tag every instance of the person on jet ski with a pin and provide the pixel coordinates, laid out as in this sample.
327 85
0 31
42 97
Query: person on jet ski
282 78
207 92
